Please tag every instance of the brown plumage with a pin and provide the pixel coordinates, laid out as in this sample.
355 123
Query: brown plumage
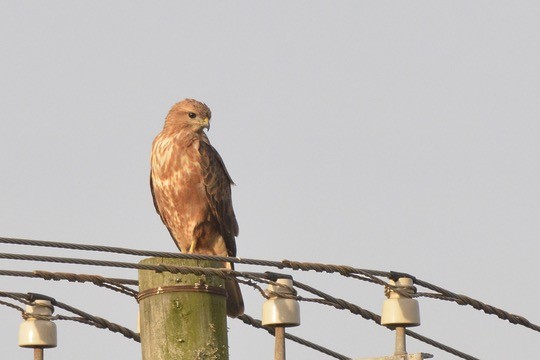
192 189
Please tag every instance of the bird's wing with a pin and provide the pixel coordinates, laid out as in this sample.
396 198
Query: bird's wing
218 183
157 207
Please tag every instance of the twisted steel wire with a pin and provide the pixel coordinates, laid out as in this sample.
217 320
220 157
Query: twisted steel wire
326 299
99 322
478 305
368 315
460 299
258 324
109 283
90 319
347 271
222 273
329 300
13 306
439 345
103 323
360 274
290 264
344 270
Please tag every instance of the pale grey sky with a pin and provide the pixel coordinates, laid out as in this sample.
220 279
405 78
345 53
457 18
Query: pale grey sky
382 135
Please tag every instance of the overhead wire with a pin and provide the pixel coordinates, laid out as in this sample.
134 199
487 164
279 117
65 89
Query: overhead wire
87 318
114 284
252 278
283 264
13 306
478 305
221 272
325 299
103 323
343 270
99 322
67 276
368 315
258 324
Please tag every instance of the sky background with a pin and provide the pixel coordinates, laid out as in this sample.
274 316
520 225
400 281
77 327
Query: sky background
382 135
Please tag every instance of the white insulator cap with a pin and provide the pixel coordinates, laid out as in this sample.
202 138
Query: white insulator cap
35 332
279 311
399 310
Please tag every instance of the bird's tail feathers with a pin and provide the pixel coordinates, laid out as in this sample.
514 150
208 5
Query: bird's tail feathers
235 301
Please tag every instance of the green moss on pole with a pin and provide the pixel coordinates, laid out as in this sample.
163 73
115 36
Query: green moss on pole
182 317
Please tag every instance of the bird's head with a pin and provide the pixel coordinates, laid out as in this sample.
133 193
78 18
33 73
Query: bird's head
191 114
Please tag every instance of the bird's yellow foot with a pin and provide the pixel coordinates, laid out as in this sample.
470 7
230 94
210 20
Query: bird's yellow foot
192 247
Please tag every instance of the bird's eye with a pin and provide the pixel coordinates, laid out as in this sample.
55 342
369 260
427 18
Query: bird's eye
192 115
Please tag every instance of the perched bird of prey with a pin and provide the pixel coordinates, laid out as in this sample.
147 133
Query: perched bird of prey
192 190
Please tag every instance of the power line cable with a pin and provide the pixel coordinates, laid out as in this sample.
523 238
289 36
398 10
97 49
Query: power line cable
290 264
13 306
89 319
98 322
368 315
126 265
109 283
67 276
488 309
260 277
258 324
360 274
25 315
478 305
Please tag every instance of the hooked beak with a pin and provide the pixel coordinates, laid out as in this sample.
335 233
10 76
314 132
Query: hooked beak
206 124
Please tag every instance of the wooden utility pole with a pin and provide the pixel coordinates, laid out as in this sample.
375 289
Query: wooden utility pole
182 317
